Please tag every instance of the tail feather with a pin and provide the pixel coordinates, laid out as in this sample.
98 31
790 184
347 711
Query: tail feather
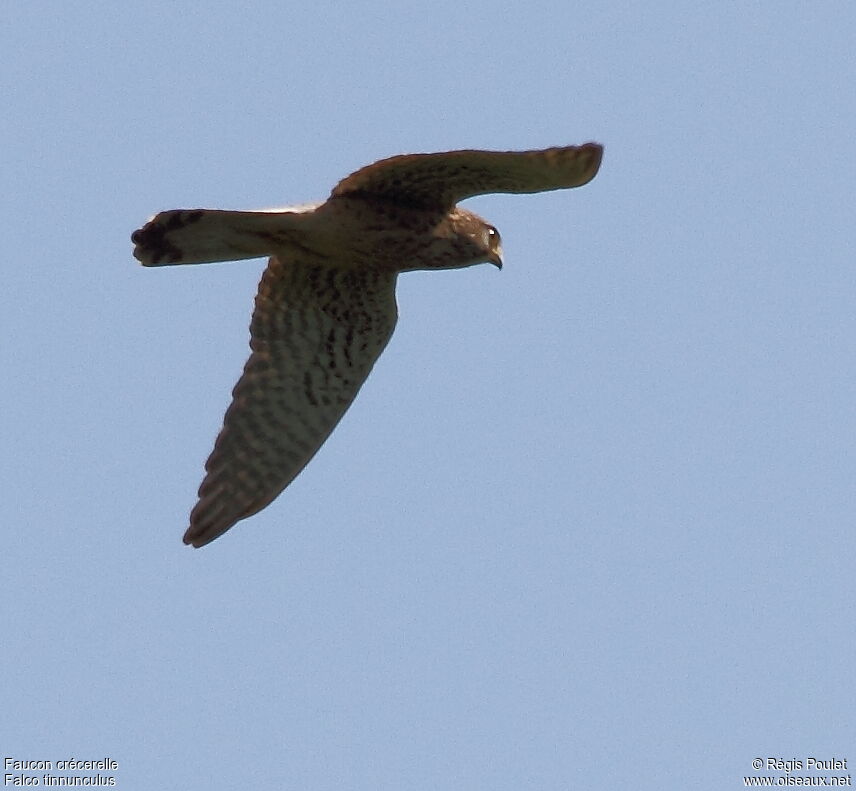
201 236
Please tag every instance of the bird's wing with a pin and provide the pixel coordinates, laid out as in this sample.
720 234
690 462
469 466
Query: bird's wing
315 335
439 181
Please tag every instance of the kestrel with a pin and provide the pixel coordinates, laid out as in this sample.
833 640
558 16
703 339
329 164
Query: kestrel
325 307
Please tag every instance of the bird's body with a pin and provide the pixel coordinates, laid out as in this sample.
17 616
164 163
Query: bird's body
326 306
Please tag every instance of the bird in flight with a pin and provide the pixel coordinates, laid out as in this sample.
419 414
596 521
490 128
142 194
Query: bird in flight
325 307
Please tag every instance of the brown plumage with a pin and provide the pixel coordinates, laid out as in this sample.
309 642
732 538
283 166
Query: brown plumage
326 308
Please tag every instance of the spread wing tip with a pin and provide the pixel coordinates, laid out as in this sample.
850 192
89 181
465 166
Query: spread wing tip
207 522
199 535
583 162
217 512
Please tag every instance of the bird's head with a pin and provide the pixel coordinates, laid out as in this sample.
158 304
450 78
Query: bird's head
468 240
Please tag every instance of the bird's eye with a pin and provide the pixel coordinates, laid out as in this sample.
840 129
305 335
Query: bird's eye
493 239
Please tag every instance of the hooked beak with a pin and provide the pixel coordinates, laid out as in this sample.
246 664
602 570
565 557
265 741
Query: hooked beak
496 258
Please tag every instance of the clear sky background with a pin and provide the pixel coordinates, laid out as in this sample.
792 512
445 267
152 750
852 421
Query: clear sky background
589 524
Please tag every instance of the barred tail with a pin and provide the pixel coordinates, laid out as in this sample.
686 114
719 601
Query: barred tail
201 236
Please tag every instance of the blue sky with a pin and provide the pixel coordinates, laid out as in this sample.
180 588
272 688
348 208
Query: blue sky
589 524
